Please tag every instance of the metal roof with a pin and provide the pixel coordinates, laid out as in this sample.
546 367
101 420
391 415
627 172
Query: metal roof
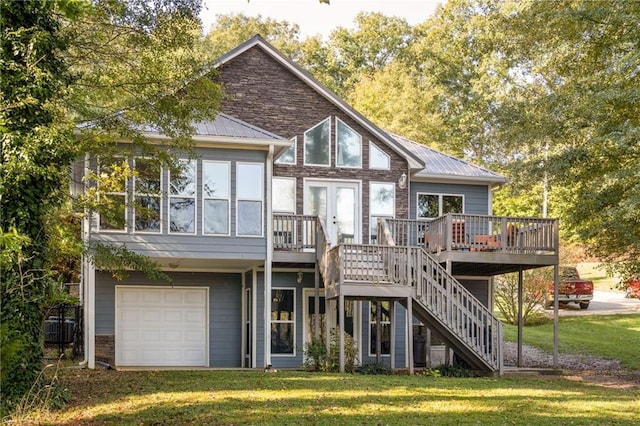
444 166
227 126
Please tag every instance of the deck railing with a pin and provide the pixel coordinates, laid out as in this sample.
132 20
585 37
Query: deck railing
294 232
479 233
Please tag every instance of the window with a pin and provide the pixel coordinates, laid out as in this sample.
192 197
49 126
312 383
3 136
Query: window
382 197
249 195
348 146
283 321
434 205
147 190
378 159
316 144
289 156
216 192
112 196
385 339
284 195
182 198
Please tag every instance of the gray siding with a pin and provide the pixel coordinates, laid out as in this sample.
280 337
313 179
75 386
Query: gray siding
398 322
165 245
479 288
225 314
476 197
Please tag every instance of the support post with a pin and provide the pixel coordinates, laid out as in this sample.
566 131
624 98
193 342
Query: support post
378 332
341 320
410 332
556 306
520 319
392 334
316 304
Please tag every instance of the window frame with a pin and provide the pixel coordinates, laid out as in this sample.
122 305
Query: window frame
291 321
205 198
195 200
338 122
240 199
373 147
305 162
372 324
125 228
293 146
440 205
295 190
136 194
372 212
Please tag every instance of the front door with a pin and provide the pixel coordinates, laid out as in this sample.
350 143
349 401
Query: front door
337 203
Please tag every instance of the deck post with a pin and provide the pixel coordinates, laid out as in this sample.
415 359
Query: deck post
556 306
328 315
316 304
378 332
392 333
341 320
410 332
520 321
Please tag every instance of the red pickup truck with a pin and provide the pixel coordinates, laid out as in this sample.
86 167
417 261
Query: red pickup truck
573 289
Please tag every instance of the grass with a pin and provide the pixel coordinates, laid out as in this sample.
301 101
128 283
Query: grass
291 397
608 336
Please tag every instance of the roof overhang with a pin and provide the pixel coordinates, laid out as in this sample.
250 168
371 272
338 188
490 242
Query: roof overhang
207 141
471 180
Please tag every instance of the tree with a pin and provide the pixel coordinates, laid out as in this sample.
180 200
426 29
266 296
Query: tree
105 70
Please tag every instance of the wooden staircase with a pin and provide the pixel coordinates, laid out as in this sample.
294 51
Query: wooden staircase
411 274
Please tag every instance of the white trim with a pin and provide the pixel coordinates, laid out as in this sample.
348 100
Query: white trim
295 153
243 321
158 196
205 198
304 144
439 195
163 287
370 323
306 294
194 197
291 321
125 229
261 199
359 166
371 213
489 200
372 147
471 180
90 315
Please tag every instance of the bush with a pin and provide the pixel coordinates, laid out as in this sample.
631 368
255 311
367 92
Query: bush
535 285
317 359
315 355
376 368
455 371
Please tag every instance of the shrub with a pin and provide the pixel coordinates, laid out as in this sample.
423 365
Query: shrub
376 368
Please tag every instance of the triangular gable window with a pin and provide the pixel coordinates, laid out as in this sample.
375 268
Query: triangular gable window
289 156
348 146
317 144
378 159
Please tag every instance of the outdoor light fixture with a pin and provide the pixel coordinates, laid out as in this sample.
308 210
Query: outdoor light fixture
299 277
402 182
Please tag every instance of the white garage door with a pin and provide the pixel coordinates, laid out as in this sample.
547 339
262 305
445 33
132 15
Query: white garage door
161 327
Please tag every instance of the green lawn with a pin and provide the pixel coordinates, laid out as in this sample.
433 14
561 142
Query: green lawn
609 336
291 397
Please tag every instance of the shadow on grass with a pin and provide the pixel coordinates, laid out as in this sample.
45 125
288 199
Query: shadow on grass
225 397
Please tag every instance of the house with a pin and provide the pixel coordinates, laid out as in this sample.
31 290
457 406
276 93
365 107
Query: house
299 217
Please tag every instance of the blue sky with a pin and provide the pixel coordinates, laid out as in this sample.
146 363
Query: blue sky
316 18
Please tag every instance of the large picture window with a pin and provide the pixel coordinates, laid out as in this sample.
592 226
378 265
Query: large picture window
317 145
385 322
147 190
112 195
431 206
348 146
182 198
216 192
249 194
283 321
382 197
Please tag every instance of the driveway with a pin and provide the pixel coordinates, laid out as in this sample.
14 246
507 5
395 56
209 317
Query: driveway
604 303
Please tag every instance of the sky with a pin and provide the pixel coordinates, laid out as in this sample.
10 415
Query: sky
314 17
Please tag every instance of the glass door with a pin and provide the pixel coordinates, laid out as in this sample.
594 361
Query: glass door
337 203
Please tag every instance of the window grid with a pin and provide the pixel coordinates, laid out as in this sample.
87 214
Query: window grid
438 198
103 225
182 193
224 195
245 200
280 325
385 326
144 199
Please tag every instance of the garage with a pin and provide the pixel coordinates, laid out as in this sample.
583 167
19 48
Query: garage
161 327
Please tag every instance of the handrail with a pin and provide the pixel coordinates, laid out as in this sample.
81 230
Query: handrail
516 235
294 232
